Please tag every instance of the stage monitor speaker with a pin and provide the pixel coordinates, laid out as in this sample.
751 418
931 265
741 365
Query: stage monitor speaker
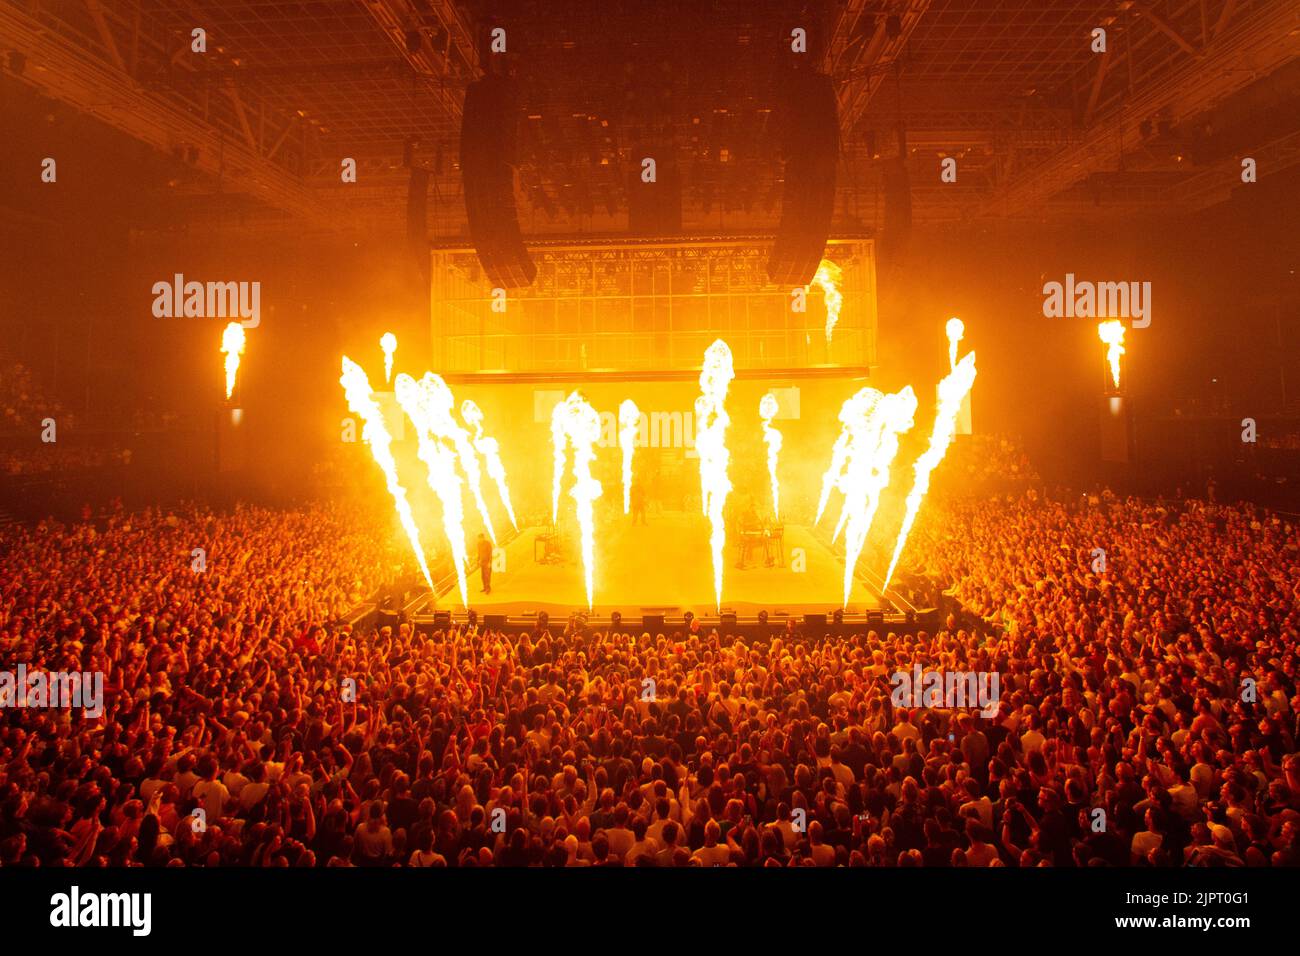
809 124
815 620
494 622
875 617
487 158
654 623
442 619
728 619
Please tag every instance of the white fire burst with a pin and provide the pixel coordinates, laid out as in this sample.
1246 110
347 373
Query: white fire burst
388 342
629 419
952 392
375 433
828 277
711 445
767 409
232 344
490 449
440 462
1112 333
956 330
872 425
439 405
576 424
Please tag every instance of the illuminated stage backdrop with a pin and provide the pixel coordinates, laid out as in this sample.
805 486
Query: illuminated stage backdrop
647 306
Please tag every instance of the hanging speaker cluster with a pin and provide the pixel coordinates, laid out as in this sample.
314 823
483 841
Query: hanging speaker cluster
487 158
809 118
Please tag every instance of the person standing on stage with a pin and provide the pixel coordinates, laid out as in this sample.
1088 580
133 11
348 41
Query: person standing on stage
485 562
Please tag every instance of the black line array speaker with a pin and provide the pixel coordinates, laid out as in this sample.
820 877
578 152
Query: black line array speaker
488 135
654 209
897 225
418 288
809 122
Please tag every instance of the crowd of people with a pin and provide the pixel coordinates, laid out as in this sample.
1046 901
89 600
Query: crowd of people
1146 714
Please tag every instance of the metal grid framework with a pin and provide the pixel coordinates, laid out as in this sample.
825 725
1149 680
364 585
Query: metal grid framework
643 306
1010 88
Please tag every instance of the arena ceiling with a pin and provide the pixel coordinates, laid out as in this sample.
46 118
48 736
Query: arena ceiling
1040 125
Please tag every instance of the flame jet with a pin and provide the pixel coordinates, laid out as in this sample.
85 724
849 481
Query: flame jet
956 329
439 405
232 344
490 449
874 422
629 418
952 392
829 276
440 462
574 422
767 409
711 445
375 433
855 411
388 342
1112 333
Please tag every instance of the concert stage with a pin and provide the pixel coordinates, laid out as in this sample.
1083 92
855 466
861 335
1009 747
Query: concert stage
636 566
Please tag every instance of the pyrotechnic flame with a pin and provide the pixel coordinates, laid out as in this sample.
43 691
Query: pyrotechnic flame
872 423
1112 333
439 405
232 343
629 418
831 478
711 446
952 392
767 409
357 388
955 328
574 422
490 449
388 342
440 462
828 276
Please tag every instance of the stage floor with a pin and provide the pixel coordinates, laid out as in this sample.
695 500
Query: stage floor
638 568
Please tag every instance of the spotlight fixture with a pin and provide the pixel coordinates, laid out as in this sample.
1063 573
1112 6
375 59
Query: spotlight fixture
473 618
762 617
838 616
615 620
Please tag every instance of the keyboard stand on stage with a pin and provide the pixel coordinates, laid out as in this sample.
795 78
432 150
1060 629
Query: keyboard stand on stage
551 551
771 540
